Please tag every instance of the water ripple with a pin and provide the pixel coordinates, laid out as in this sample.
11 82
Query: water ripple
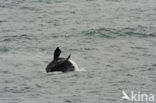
114 33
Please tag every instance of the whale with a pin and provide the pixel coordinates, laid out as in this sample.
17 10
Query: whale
60 64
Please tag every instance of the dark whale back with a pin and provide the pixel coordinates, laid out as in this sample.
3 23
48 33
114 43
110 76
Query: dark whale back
59 64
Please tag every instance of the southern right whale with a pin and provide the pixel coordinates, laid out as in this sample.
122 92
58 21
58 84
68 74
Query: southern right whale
61 64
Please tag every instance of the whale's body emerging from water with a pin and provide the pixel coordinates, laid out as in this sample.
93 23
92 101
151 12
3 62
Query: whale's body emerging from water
61 64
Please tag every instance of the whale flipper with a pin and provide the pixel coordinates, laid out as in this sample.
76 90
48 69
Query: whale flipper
68 58
63 63
57 53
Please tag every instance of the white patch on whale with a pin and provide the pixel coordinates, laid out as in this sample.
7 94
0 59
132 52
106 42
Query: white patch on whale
76 66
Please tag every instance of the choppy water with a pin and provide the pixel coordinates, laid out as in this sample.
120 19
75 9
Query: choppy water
114 40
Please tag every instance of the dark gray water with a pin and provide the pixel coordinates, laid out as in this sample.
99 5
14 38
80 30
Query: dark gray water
113 40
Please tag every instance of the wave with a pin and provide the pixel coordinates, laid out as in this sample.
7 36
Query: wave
15 37
137 32
2 21
100 32
4 49
110 33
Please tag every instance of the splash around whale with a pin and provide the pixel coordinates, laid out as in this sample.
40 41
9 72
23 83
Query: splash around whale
59 64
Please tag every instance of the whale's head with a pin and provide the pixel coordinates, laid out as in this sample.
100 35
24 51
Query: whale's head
58 64
51 67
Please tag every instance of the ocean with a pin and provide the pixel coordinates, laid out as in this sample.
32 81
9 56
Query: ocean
113 41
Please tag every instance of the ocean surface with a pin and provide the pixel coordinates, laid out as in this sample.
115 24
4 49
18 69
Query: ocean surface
114 41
